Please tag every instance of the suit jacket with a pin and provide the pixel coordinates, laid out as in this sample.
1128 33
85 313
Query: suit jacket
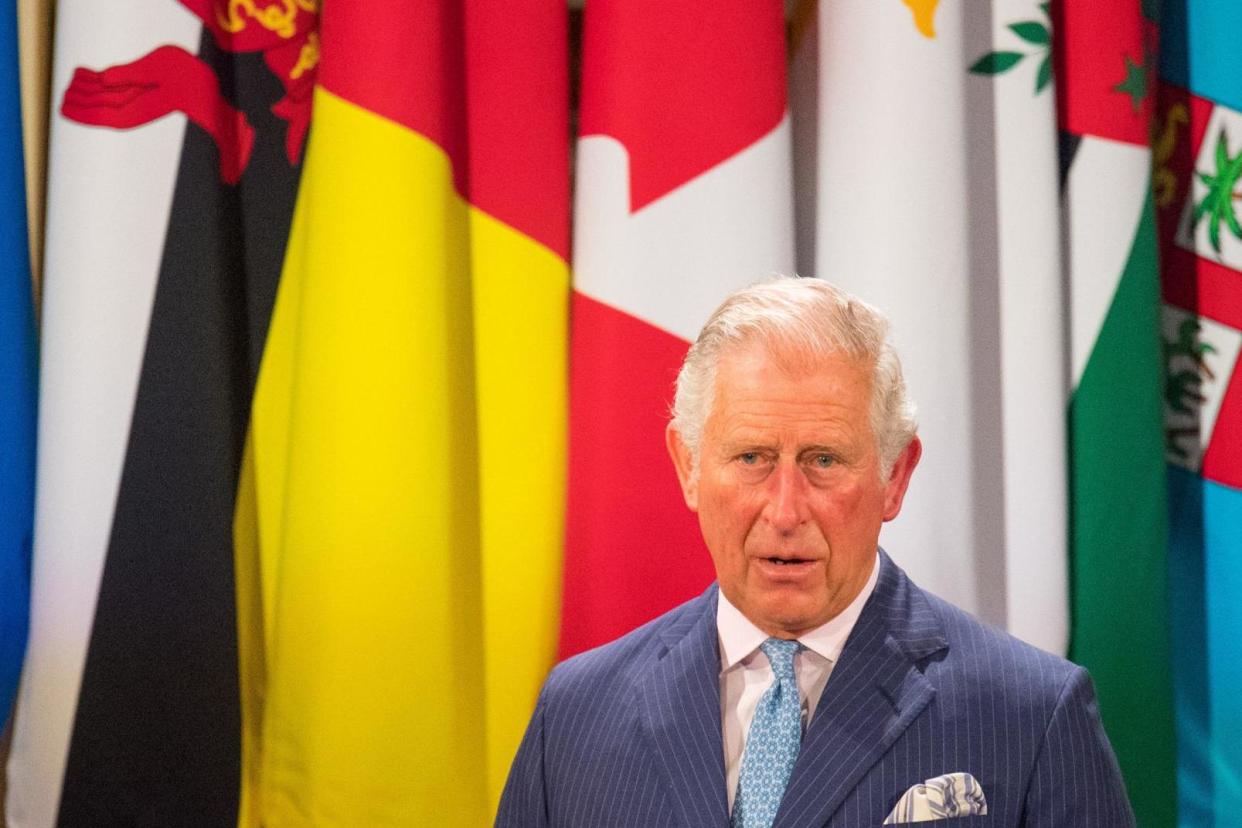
629 734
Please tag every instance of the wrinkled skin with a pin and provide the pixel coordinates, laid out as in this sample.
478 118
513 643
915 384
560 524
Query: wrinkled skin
788 489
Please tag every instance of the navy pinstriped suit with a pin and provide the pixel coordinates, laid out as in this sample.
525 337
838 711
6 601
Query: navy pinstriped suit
629 734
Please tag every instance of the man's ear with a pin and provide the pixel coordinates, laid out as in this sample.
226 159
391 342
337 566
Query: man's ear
899 480
683 462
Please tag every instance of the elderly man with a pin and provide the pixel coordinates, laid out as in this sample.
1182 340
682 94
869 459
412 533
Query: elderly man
814 684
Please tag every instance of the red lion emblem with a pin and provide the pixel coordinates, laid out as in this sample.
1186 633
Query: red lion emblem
170 79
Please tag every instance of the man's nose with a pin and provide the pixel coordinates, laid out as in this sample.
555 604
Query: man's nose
786 509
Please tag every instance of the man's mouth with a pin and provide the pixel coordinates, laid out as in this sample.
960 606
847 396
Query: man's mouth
787 561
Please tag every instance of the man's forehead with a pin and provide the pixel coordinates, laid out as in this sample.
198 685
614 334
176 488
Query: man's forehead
785 361
755 397
807 422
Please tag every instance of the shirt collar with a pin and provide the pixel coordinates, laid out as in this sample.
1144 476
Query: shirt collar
739 637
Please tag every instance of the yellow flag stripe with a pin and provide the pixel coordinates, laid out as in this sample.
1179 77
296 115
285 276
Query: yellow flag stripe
407 447
521 292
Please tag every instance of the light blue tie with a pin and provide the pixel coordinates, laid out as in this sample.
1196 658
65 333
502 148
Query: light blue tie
773 742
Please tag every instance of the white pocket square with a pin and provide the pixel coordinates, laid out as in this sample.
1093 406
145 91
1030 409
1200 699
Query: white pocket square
943 797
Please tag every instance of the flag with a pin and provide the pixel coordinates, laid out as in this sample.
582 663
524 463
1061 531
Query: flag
399 519
17 379
927 139
174 160
682 196
1197 147
1118 536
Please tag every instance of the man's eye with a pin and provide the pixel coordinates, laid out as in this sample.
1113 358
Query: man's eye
821 461
749 458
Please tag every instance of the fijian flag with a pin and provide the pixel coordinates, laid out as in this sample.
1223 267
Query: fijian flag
298 540
1198 160
174 165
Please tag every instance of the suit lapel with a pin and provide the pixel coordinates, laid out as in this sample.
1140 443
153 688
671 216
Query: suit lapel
874 693
680 699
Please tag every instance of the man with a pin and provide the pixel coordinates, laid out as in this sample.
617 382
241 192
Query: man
814 685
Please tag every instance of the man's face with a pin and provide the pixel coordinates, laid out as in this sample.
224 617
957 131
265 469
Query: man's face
789 493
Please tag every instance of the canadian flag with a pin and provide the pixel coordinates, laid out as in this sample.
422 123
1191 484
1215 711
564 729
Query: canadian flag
683 195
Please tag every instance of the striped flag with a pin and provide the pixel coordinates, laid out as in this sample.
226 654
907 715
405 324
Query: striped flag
1118 494
683 195
1198 147
175 153
367 546
927 139
17 379
399 521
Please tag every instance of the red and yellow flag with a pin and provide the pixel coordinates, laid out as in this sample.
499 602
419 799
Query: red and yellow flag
400 512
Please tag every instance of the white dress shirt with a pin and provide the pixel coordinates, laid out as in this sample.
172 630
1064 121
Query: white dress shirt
745 673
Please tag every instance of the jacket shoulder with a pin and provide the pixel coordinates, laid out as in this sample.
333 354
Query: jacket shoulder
625 659
990 657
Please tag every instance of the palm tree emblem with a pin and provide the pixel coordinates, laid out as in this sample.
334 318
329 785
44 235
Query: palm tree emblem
1183 389
1217 205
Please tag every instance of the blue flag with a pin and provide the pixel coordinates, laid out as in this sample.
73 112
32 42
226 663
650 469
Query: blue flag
17 376
1199 155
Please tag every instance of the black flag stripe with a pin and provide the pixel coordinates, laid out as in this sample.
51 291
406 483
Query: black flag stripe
156 738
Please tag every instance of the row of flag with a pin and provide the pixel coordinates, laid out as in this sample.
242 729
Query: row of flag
334 460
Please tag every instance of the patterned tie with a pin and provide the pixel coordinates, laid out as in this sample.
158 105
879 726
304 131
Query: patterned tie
773 742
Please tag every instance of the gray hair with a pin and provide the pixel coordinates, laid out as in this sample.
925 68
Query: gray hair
799 319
